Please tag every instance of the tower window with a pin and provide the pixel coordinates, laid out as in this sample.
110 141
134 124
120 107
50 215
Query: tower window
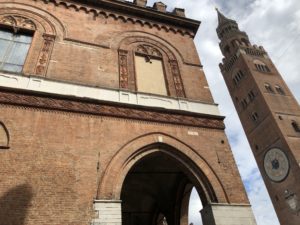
254 116
244 103
251 95
261 66
269 88
279 90
238 77
296 126
13 50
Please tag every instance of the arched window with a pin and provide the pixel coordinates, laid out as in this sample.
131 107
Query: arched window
296 126
279 90
238 76
269 88
251 95
18 30
244 103
261 66
150 70
14 46
149 66
255 116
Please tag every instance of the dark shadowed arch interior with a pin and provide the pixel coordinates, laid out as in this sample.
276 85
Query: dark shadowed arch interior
157 191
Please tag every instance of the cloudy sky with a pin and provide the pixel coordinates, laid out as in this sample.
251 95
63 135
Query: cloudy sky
276 26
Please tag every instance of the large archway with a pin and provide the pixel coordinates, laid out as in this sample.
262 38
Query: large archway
156 191
149 181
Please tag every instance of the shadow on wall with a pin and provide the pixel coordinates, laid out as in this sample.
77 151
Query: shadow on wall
14 205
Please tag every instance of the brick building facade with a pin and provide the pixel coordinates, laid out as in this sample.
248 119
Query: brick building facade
85 139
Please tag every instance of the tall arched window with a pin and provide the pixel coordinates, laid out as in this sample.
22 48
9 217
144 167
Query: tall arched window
279 90
261 66
296 126
149 70
18 30
238 76
15 42
255 116
149 66
269 88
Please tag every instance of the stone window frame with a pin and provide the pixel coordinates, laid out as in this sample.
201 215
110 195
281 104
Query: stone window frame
127 73
150 52
43 38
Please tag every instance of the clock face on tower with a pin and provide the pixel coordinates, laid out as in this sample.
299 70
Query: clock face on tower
276 164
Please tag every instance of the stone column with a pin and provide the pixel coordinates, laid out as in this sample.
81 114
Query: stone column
227 214
109 212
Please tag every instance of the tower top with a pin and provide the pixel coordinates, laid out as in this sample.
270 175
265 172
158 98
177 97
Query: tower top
223 19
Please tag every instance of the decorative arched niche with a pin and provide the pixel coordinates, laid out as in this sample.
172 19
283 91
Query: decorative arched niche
40 32
130 52
4 137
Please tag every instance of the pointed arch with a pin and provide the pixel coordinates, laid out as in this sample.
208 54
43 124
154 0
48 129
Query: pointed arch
200 173
4 136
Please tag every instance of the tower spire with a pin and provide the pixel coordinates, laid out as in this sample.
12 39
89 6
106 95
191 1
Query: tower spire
221 18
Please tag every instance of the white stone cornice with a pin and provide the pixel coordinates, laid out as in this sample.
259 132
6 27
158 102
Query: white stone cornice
43 85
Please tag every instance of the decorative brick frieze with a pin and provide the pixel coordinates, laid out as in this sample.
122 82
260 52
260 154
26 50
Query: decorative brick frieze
123 67
190 31
45 54
177 79
104 109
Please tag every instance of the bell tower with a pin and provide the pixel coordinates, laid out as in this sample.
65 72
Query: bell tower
269 113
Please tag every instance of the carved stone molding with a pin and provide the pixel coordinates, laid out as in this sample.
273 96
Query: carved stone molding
17 22
177 79
123 67
45 54
103 109
148 50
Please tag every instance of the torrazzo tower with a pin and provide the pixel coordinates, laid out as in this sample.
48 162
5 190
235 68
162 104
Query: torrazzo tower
269 113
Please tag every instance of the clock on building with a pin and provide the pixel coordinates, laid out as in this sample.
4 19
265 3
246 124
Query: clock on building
276 164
